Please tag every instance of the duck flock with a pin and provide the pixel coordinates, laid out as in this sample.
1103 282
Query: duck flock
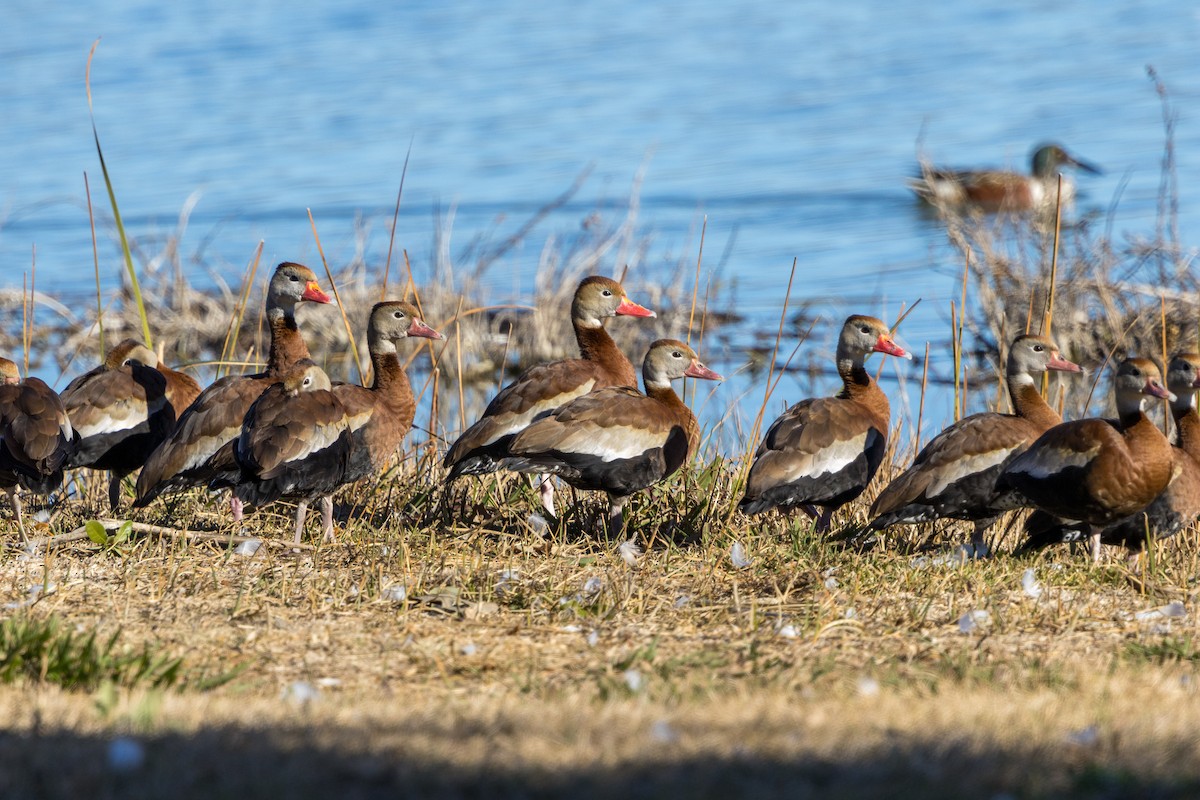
290 433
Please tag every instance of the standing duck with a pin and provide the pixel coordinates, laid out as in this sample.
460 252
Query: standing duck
617 440
954 476
1175 508
824 451
35 437
996 190
215 417
380 417
123 409
483 447
294 443
1096 471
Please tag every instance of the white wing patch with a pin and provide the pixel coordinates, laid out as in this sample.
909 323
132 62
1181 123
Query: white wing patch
829 460
506 424
971 465
1046 464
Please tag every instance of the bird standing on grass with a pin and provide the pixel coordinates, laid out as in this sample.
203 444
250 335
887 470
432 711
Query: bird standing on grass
215 417
484 447
954 476
1096 471
618 440
35 437
822 452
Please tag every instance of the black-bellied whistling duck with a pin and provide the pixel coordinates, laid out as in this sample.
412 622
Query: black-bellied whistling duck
35 437
380 417
294 443
1175 508
824 451
123 409
954 476
616 439
215 417
539 390
1096 471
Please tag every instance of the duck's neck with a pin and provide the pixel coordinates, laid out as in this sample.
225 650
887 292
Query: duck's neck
596 345
1029 403
665 394
391 381
1187 427
287 345
856 382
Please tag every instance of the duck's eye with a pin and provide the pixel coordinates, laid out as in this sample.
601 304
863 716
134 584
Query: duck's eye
398 315
294 278
606 292
865 329
677 354
1037 348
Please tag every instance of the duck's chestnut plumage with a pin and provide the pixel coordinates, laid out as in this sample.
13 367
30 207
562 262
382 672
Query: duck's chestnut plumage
484 446
822 452
1175 507
35 437
1096 471
955 474
215 417
380 417
124 408
618 440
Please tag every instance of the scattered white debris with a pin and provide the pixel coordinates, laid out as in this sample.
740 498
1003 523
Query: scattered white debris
35 591
572 629
593 638
1172 610
851 613
329 683
301 693
661 731
789 632
125 754
682 600
634 680
831 583
737 554
508 578
248 547
1029 583
593 585
396 593
630 552
42 516
971 620
538 524
1084 737
868 686
468 649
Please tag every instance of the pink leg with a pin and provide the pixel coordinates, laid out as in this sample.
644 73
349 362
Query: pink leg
327 518
15 500
1094 541
235 507
301 513
546 490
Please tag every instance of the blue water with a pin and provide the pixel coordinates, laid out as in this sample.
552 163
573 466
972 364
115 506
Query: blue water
787 127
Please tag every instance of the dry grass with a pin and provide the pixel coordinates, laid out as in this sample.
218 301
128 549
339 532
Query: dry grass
517 662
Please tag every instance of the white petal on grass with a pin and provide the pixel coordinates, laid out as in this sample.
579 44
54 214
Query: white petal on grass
301 693
737 554
1029 583
789 632
1084 737
329 683
868 686
593 638
125 754
468 649
634 680
661 731
396 593
971 620
248 547
1172 610
630 552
